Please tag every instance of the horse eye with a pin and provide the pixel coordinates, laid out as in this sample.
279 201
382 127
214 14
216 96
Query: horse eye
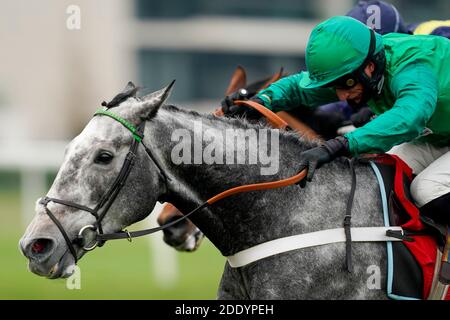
104 157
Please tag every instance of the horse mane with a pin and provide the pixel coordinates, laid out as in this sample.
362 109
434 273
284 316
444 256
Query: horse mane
243 123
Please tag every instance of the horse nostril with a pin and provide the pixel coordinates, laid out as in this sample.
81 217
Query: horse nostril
41 246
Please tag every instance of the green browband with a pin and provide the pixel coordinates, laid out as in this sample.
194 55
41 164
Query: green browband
124 122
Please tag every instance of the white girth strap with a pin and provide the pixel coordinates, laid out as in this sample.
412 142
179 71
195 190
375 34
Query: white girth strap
270 248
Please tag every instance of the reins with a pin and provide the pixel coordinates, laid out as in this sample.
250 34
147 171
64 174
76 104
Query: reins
225 194
107 200
276 122
272 117
109 197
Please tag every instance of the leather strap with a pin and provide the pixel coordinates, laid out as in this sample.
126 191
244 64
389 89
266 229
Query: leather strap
63 232
140 233
347 220
45 200
273 119
105 202
109 197
307 240
225 194
259 186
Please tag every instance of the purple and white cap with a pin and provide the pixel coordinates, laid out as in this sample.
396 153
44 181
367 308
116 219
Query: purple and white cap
382 17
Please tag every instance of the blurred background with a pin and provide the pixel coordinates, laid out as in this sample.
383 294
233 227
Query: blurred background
55 71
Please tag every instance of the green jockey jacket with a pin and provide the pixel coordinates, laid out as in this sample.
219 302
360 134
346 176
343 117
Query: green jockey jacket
414 104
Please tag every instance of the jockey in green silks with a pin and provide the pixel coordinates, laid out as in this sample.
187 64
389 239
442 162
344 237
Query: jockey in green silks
404 79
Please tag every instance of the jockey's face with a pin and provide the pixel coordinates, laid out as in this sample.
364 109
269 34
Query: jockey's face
355 94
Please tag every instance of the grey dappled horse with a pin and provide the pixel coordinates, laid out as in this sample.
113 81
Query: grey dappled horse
94 158
184 235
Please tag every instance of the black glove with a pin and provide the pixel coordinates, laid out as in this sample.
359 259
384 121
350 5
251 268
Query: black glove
314 158
361 117
232 110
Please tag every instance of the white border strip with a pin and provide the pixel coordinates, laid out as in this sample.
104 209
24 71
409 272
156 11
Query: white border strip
312 239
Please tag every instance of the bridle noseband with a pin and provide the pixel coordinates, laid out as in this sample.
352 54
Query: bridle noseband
109 197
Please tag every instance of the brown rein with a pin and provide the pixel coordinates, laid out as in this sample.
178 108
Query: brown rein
277 122
259 186
273 119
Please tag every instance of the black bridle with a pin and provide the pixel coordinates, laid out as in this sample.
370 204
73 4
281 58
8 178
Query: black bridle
110 196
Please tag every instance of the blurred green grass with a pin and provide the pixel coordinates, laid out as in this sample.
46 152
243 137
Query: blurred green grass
118 270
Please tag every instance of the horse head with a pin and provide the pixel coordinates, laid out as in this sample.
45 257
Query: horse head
91 193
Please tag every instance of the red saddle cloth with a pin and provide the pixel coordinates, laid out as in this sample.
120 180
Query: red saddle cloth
404 213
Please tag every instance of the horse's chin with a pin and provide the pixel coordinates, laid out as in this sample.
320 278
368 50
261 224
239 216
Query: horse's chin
64 268
63 272
192 242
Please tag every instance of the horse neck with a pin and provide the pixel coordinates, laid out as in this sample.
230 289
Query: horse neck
193 182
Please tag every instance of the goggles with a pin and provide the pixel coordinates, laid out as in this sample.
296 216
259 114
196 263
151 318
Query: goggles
347 81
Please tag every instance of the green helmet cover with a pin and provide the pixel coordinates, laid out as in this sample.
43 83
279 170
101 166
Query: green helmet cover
336 47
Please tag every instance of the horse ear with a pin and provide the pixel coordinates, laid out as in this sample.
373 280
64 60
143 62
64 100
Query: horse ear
150 103
238 81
